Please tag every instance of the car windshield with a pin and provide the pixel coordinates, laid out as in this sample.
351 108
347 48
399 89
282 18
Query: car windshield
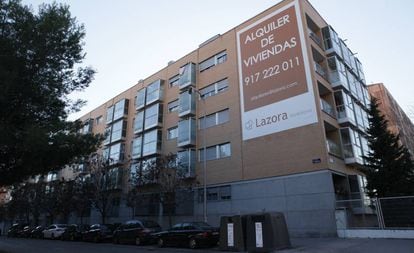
150 224
201 224
61 225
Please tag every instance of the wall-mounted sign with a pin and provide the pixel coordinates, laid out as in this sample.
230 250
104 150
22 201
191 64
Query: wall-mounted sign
275 82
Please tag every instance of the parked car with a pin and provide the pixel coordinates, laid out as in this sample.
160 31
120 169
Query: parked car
191 234
54 231
26 231
98 233
136 231
74 232
37 232
15 230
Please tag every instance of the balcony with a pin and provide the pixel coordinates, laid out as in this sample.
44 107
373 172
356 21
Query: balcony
320 70
186 133
187 75
187 104
331 41
315 38
186 163
333 148
328 108
337 73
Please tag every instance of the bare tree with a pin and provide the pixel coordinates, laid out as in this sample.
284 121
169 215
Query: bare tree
103 190
164 178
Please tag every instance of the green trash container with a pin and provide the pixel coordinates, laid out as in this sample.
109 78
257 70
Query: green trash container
266 232
233 233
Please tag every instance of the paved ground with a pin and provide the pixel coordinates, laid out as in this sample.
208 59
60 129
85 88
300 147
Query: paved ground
313 245
336 245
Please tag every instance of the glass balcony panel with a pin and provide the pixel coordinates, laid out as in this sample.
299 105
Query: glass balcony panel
109 114
187 104
136 148
328 108
153 116
186 132
320 70
333 148
154 92
139 122
186 162
140 99
120 109
187 75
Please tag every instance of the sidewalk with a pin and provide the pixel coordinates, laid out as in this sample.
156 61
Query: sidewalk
337 245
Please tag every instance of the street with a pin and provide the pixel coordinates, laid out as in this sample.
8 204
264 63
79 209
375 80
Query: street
302 245
23 245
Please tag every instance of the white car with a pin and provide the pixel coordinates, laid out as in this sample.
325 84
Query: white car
54 231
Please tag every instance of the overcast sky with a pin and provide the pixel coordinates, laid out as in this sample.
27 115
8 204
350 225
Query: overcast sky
128 40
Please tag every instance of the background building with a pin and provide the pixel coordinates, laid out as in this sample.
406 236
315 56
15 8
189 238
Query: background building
279 102
398 121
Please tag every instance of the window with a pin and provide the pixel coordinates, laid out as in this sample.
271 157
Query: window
152 142
215 193
116 153
109 114
140 99
118 131
98 120
187 75
154 92
136 147
186 132
215 152
173 81
120 109
214 89
172 133
173 106
153 116
139 122
214 119
213 61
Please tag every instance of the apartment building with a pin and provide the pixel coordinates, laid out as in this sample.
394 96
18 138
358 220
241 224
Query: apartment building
279 102
398 121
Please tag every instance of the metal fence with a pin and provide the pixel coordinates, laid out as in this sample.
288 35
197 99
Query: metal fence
382 213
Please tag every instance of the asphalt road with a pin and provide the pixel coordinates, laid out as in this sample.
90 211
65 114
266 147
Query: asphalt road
22 245
299 245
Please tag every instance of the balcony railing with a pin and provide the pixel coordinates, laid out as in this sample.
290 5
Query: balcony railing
328 108
315 38
320 70
334 148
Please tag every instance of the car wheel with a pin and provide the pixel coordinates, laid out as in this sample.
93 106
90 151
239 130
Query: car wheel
192 243
138 241
116 240
160 242
96 239
52 236
72 237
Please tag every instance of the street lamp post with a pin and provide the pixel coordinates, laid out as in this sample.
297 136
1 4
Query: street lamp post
204 155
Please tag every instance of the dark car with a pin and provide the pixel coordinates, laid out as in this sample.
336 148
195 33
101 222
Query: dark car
16 230
136 231
74 232
37 232
26 231
98 233
190 234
